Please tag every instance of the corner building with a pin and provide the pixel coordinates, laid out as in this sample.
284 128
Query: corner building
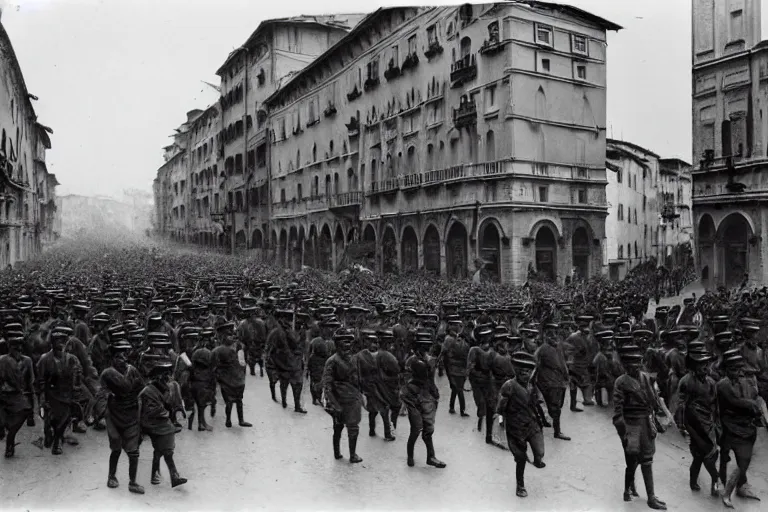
730 142
439 136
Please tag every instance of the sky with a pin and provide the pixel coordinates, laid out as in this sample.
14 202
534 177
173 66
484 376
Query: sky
115 77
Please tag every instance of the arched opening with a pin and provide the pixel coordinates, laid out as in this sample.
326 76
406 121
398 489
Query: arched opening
432 250
336 184
240 240
490 146
257 240
369 234
580 253
302 244
325 250
310 248
351 180
295 249
706 234
327 186
546 253
389 251
410 249
456 251
338 242
490 251
466 49
282 247
733 236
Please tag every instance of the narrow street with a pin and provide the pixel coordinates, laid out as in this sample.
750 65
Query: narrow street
285 463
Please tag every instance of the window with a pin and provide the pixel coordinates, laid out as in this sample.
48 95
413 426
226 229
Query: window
581 72
629 251
490 98
645 200
298 192
412 45
621 252
282 195
543 194
579 44
737 26
544 35
432 34
545 65
621 212
395 55
619 177
582 196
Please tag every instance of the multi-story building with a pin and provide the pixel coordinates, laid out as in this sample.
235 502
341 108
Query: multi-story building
27 190
204 180
632 227
730 142
251 73
441 136
674 194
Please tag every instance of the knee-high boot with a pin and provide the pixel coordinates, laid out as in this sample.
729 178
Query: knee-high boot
114 458
283 392
337 429
155 478
191 418
296 388
411 446
133 470
520 477
176 480
452 402
693 474
228 414
574 402
653 501
240 419
372 423
202 426
431 459
587 392
394 413
352 433
272 391
559 433
462 403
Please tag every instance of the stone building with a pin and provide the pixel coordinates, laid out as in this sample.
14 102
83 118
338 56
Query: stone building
632 227
204 180
171 186
675 241
730 142
276 49
435 137
27 190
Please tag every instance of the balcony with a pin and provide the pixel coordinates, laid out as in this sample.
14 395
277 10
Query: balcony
668 212
353 127
386 186
392 72
465 115
371 83
434 49
492 46
346 201
296 208
463 71
411 181
410 62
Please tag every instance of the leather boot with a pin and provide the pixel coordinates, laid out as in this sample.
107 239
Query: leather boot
272 391
176 480
337 441
574 402
588 393
628 482
520 476
693 479
387 428
297 399
599 397
202 426
653 502
283 398
431 459
191 419
558 433
730 485
353 457
155 469
213 409
228 414
372 424
240 420
133 469
410 447
114 458
56 448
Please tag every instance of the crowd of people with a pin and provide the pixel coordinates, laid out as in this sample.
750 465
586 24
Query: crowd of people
136 340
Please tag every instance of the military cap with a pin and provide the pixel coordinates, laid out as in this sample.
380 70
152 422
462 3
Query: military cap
751 329
628 349
63 329
529 331
584 319
696 345
83 308
722 336
15 341
522 359
733 358
158 336
160 367
344 337
120 346
227 326
386 333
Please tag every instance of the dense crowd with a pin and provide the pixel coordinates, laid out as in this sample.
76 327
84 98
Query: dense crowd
136 339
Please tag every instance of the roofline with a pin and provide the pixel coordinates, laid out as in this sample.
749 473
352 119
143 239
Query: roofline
632 145
606 24
675 159
263 26
17 68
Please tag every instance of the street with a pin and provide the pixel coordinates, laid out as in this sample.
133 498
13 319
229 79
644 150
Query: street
286 463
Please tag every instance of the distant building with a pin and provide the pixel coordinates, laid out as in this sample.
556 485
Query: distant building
27 189
675 201
730 142
632 227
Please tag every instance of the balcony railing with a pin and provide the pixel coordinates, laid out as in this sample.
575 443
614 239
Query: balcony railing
385 186
463 70
465 115
346 199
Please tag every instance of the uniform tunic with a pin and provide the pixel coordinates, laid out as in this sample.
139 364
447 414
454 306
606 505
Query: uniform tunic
122 414
420 394
16 385
57 381
341 387
634 401
202 380
478 368
698 404
230 374
388 383
155 419
579 368
365 361
517 405
455 354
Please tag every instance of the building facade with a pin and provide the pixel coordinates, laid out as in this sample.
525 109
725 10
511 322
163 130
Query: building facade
27 190
632 227
443 137
676 220
730 142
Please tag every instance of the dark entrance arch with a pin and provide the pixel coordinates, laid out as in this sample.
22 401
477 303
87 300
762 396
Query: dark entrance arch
294 249
389 251
310 248
432 250
281 248
240 240
706 235
580 252
546 253
734 233
490 251
256 239
325 249
410 249
456 251
338 242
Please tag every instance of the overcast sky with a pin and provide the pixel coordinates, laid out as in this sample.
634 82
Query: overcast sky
115 77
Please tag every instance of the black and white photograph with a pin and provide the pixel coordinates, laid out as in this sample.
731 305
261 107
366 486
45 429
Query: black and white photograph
375 256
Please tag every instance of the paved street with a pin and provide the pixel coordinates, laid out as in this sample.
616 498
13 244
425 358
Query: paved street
285 463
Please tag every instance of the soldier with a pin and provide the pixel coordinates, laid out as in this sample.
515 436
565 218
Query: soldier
480 377
123 382
578 371
517 408
388 382
320 349
697 408
421 396
228 362
365 362
738 410
552 377
455 352
16 391
343 400
634 404
156 422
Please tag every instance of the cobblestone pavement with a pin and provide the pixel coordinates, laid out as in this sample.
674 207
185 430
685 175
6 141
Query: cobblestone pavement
285 463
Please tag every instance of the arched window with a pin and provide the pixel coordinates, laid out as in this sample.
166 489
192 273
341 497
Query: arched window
490 146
